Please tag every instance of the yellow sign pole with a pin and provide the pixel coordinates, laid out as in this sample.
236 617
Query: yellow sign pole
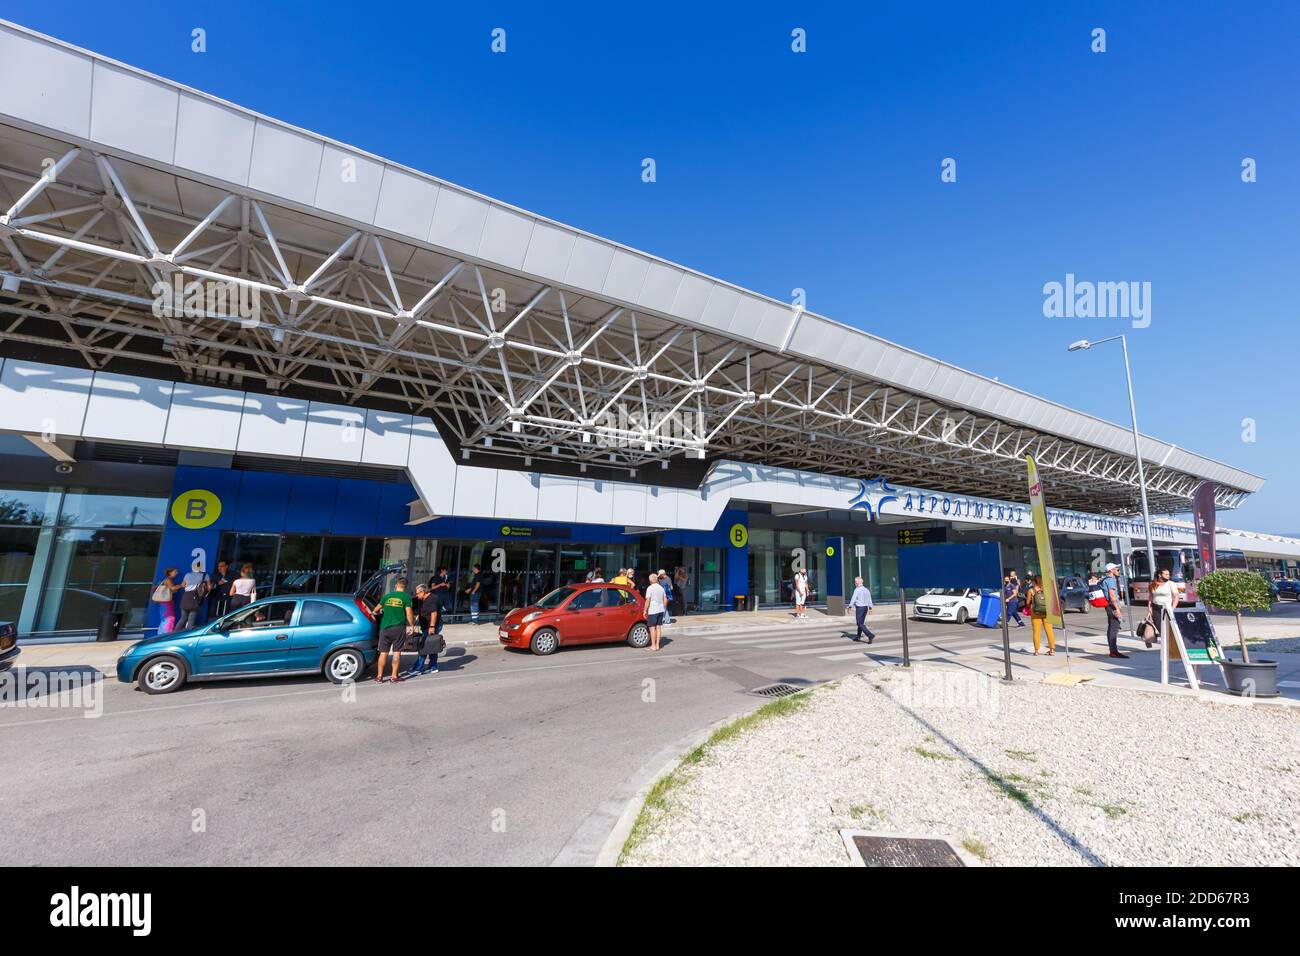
1046 563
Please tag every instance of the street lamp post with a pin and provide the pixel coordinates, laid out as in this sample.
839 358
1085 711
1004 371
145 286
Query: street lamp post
1137 449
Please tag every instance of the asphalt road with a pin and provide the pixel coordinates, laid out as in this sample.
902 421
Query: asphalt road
502 758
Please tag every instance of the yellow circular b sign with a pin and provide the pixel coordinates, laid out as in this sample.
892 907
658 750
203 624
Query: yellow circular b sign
739 535
196 509
830 551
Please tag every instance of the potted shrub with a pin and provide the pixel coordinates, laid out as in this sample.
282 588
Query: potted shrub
1238 591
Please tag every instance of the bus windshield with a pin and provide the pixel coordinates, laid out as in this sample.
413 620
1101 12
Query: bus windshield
1230 560
1179 562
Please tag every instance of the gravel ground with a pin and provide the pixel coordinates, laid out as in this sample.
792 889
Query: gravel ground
1021 775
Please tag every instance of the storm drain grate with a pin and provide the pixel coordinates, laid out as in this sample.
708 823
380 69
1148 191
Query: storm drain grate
899 849
775 690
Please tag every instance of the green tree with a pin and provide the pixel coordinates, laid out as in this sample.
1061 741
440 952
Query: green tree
1235 591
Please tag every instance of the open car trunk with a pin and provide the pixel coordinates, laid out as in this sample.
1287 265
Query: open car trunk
375 587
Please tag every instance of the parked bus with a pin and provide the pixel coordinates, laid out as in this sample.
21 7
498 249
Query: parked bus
1184 565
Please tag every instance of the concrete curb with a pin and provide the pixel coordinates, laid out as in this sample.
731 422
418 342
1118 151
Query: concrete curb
662 764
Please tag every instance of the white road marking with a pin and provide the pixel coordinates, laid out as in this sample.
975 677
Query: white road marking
821 650
759 638
799 642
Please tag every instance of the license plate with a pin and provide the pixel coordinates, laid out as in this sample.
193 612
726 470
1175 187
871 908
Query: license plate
928 610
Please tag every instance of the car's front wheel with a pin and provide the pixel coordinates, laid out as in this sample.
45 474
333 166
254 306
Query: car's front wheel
162 675
961 615
345 664
639 636
544 642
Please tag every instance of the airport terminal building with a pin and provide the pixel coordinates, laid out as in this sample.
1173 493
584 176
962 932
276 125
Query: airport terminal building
223 337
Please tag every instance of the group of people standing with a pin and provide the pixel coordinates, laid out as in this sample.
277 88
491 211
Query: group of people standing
674 586
1034 602
181 603
664 593
403 617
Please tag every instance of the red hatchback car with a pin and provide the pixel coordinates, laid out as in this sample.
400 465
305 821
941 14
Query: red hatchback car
578 614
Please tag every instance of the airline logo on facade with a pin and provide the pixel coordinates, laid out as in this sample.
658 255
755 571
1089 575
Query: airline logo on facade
862 500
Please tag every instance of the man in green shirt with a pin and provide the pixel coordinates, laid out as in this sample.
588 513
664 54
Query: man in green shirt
396 621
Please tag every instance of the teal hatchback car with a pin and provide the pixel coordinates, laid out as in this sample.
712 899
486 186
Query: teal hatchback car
330 634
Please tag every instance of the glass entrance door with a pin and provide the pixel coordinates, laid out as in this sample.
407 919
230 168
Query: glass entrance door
575 562
514 579
704 590
541 571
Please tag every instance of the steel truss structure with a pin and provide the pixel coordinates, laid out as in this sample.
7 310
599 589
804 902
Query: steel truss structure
503 363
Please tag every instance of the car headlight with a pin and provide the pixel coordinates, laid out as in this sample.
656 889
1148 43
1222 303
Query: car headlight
949 603
530 616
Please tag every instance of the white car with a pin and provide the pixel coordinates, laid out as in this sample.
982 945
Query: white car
947 604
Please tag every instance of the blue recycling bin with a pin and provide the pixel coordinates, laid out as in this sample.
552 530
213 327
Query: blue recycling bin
990 610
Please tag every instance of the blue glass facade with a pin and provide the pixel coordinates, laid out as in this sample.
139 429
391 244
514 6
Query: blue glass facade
306 532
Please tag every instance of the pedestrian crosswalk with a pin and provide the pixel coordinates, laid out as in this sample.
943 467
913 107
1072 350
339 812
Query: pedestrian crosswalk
828 645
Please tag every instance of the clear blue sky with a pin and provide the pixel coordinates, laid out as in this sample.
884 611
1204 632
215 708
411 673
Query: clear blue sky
821 170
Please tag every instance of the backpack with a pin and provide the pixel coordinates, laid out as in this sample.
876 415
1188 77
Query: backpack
1040 601
193 600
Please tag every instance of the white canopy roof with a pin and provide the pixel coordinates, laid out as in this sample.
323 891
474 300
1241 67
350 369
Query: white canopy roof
520 335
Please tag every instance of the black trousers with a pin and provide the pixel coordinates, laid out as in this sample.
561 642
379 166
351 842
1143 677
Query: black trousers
1112 632
1158 618
861 614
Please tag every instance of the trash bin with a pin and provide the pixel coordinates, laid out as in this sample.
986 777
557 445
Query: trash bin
990 610
739 601
110 625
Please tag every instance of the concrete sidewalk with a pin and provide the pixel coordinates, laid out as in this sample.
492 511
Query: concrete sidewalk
103 657
1090 660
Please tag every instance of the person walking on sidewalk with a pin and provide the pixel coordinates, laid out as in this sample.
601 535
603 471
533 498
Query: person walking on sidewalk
656 603
862 605
1011 597
1036 601
1110 588
396 623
